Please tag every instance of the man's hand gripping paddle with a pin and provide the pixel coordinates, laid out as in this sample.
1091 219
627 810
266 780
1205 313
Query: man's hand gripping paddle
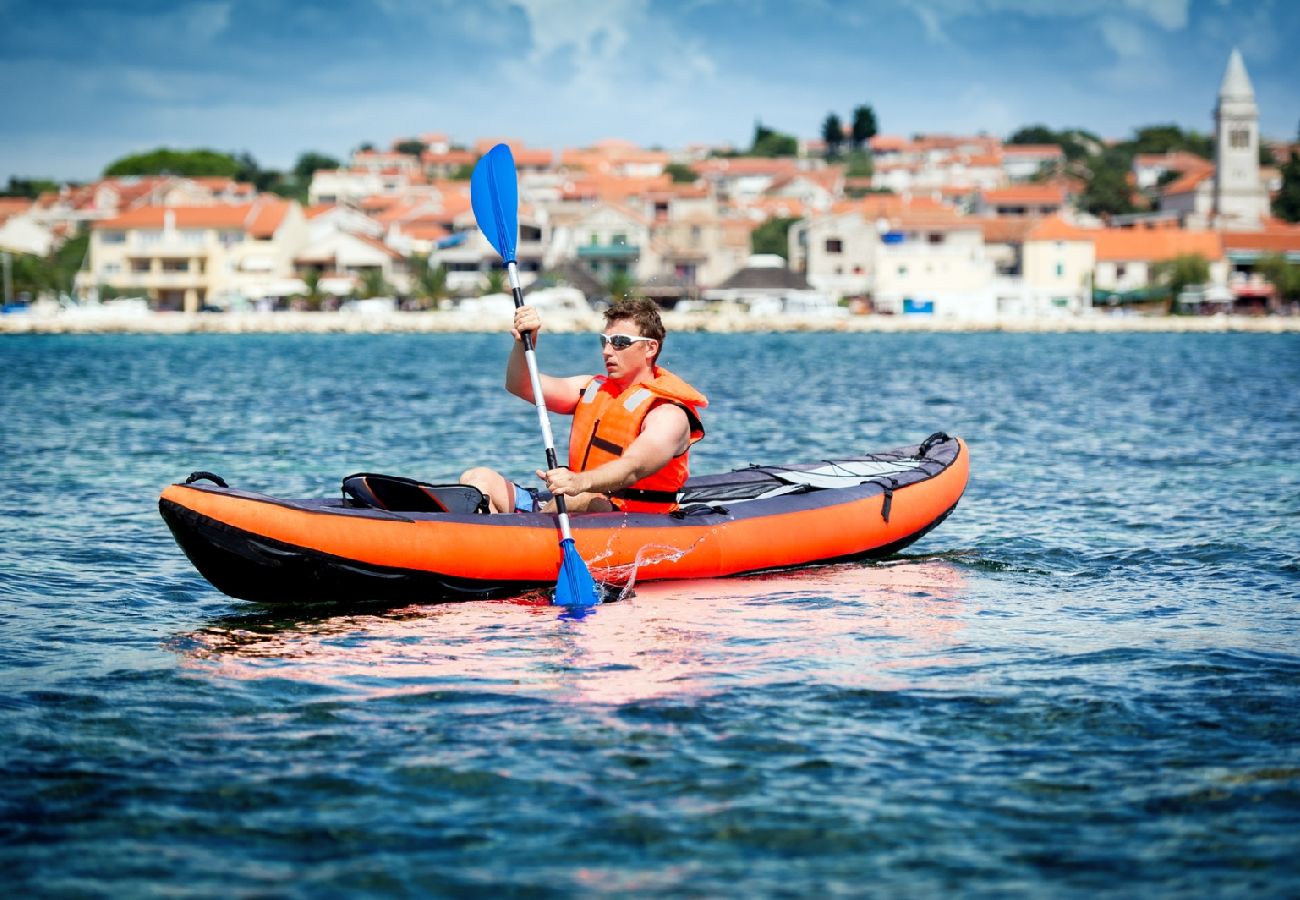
494 193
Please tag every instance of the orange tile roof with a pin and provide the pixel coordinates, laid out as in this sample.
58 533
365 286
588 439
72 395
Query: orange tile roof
1034 150
1055 228
1178 160
1123 244
450 158
883 143
12 206
745 165
1189 181
1005 230
1037 194
267 216
262 217
424 231
1271 240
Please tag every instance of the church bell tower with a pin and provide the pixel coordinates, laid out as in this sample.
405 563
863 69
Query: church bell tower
1240 201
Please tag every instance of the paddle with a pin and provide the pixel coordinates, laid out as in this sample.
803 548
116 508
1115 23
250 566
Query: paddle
494 194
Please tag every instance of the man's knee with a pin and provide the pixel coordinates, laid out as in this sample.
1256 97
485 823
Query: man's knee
477 476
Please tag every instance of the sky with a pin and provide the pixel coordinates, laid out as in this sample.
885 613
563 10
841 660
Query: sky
90 81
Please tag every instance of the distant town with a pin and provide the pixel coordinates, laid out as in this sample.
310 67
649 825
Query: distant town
856 223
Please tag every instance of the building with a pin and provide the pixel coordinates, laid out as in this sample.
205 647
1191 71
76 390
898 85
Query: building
1232 194
188 257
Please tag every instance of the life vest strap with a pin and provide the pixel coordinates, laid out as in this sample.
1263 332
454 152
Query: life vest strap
640 495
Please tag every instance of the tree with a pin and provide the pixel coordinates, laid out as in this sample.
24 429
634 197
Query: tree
772 237
311 162
1287 203
1284 276
1167 138
312 281
430 281
1033 134
833 135
621 285
28 187
680 173
496 281
864 126
1183 271
770 143
1107 191
411 148
860 165
187 163
373 284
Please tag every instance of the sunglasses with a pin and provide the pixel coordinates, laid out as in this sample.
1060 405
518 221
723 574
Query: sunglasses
620 341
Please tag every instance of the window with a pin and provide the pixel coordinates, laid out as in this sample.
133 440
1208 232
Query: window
1120 270
1060 270
175 265
140 266
110 268
1239 137
834 245
148 238
112 237
193 236
935 237
619 240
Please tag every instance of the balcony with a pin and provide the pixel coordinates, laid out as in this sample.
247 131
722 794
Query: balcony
609 251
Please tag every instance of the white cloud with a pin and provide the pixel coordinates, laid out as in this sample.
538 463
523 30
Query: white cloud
936 15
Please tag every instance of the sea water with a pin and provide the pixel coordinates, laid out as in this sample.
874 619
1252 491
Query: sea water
1086 680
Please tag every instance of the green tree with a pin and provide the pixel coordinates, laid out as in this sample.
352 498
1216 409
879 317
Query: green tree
1283 275
1168 138
1183 271
772 237
680 173
164 161
312 280
28 187
411 148
430 281
311 162
864 126
463 173
1033 134
860 164
373 284
495 282
1107 191
1286 205
770 143
833 135
620 285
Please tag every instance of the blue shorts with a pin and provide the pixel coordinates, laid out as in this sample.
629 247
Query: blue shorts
530 499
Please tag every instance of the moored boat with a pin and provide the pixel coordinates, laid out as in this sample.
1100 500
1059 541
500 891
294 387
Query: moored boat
376 545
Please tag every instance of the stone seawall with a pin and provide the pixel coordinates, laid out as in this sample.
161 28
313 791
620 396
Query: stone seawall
94 321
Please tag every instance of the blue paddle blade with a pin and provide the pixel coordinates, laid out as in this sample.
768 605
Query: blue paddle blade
575 586
494 194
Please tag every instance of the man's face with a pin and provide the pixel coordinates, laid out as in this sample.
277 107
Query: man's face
634 356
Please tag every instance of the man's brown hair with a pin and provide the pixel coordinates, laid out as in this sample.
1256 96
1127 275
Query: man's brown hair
644 312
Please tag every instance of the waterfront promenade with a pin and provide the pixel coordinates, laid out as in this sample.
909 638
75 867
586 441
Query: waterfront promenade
95 321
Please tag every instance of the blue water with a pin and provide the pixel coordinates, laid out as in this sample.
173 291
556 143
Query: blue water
1085 681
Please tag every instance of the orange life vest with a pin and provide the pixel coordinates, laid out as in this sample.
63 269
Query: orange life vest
606 421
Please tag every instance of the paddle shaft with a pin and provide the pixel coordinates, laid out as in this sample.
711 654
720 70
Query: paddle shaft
530 357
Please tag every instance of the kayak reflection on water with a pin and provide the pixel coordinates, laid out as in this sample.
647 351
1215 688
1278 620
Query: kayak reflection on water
849 625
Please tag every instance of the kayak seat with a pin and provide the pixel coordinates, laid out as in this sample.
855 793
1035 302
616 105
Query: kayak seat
397 494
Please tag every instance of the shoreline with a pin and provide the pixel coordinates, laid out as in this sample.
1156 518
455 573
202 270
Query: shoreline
94 321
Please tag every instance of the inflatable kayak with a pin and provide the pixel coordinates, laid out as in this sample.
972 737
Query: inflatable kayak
398 540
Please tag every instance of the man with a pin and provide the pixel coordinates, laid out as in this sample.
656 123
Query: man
632 430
